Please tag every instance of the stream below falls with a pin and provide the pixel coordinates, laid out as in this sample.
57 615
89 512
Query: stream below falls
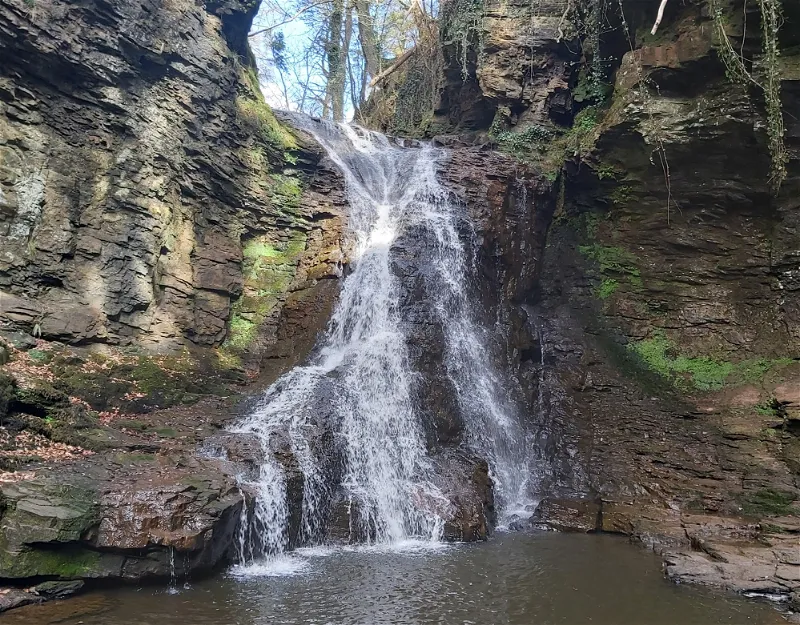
513 579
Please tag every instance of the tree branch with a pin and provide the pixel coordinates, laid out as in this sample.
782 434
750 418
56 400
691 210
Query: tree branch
289 19
393 67
658 17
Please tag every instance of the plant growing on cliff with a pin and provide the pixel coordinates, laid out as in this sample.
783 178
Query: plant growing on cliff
764 75
704 372
521 142
462 25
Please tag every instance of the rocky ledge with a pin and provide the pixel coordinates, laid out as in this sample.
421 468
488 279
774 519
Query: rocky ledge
142 506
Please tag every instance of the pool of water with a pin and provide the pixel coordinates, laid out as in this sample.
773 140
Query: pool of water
514 579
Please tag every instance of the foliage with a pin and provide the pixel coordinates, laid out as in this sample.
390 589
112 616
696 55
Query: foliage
704 372
461 23
769 408
653 352
322 64
621 195
607 288
753 371
591 87
606 172
521 142
614 260
39 356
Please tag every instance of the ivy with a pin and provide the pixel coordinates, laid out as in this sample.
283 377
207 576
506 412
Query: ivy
462 26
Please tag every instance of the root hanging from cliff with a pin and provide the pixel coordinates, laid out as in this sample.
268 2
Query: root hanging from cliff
644 94
769 82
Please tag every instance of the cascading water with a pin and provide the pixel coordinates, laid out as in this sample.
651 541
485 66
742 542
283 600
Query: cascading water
362 368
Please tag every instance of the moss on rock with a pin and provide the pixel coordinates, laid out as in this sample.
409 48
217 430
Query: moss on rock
704 372
269 269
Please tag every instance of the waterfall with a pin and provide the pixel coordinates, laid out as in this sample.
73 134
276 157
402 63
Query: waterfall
359 382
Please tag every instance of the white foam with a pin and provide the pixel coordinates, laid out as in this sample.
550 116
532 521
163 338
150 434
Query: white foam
284 565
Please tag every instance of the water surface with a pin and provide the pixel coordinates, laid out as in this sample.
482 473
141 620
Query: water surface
514 579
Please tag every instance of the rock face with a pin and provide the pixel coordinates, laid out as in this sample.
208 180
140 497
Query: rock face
162 234
652 322
650 308
145 189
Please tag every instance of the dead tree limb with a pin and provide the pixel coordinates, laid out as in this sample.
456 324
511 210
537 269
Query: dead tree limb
658 17
393 67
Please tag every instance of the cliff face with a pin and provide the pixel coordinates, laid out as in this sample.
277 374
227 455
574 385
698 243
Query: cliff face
657 337
146 190
162 234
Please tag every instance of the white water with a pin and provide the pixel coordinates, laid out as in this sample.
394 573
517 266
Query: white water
361 375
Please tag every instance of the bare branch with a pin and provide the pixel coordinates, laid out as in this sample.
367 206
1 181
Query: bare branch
659 17
289 19
394 67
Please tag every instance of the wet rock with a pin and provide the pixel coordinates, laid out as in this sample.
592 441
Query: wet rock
11 598
110 520
57 590
464 480
567 515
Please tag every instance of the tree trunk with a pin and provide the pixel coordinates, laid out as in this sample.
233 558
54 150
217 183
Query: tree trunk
366 34
336 66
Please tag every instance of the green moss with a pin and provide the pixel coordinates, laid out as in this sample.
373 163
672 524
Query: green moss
41 397
259 249
753 371
769 502
704 372
166 432
64 563
614 262
257 116
607 288
241 332
40 356
269 268
653 352
287 192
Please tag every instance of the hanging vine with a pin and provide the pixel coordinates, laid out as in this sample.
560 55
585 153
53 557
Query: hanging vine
462 25
765 75
644 94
